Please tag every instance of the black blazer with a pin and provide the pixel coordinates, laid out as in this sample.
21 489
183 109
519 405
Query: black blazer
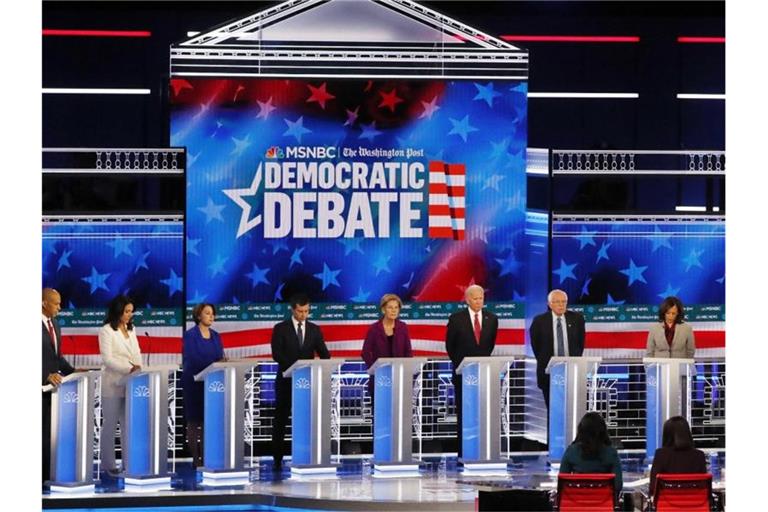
53 361
543 339
460 336
285 344
669 460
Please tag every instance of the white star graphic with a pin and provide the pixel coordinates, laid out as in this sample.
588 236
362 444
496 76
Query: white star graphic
237 196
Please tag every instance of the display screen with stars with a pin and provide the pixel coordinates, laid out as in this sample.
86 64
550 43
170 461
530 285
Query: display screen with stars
640 262
247 140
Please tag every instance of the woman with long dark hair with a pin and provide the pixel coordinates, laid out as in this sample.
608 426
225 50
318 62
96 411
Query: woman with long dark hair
591 451
677 453
120 355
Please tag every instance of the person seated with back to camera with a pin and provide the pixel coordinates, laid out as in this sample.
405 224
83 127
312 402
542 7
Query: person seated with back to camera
677 453
591 451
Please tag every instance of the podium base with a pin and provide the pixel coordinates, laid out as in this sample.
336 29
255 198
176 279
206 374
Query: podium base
395 470
484 468
314 472
224 477
72 487
147 483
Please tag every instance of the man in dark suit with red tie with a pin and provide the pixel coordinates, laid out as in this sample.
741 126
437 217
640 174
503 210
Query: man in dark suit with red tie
471 332
54 367
292 339
557 332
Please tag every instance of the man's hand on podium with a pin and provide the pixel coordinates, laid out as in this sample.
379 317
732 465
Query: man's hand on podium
54 379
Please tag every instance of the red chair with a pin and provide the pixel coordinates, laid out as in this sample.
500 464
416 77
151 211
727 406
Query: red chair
586 492
690 492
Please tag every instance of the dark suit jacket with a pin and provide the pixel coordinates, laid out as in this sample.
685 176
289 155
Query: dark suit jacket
285 344
669 460
53 361
543 339
376 344
460 336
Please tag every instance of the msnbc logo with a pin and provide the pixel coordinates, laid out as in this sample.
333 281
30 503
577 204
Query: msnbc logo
274 153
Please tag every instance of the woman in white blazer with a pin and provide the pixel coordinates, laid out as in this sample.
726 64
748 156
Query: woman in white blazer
120 355
671 337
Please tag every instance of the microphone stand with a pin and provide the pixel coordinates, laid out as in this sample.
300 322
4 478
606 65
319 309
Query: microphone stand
149 347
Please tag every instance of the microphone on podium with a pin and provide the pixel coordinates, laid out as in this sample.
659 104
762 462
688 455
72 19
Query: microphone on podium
149 346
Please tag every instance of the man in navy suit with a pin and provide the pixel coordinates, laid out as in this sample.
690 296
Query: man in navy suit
54 367
292 339
557 332
471 332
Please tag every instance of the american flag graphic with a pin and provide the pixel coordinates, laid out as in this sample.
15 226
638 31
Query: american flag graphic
446 200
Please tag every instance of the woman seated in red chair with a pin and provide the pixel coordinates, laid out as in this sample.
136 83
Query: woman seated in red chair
677 453
591 451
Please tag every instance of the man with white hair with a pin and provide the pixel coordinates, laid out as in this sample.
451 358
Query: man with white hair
471 332
557 332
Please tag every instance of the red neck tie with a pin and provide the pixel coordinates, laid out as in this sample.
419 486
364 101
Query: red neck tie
477 328
52 334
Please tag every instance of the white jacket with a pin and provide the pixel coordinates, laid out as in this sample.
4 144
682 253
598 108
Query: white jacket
118 355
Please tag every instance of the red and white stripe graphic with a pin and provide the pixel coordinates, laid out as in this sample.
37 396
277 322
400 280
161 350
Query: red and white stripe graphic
447 193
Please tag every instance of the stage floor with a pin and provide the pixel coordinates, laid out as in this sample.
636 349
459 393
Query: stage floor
440 486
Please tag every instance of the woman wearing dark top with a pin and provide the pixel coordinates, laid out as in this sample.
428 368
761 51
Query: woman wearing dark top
591 451
677 454
202 346
388 337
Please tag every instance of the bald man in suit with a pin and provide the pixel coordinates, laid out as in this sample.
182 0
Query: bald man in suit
54 367
471 332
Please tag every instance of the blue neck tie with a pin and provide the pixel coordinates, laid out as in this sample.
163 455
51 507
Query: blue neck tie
560 341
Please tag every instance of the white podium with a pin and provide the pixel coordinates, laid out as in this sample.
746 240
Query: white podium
568 400
668 393
311 416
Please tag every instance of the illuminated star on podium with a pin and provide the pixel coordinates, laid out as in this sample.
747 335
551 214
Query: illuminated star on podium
361 295
319 95
328 276
212 211
390 99
565 271
429 108
240 145
585 238
486 93
659 239
258 275
461 128
382 264
97 281
296 129
192 246
278 245
142 262
369 131
178 85
173 283
265 108
634 273
64 260
296 257
720 280
692 260
217 267
610 302
121 246
351 116
669 292
602 253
